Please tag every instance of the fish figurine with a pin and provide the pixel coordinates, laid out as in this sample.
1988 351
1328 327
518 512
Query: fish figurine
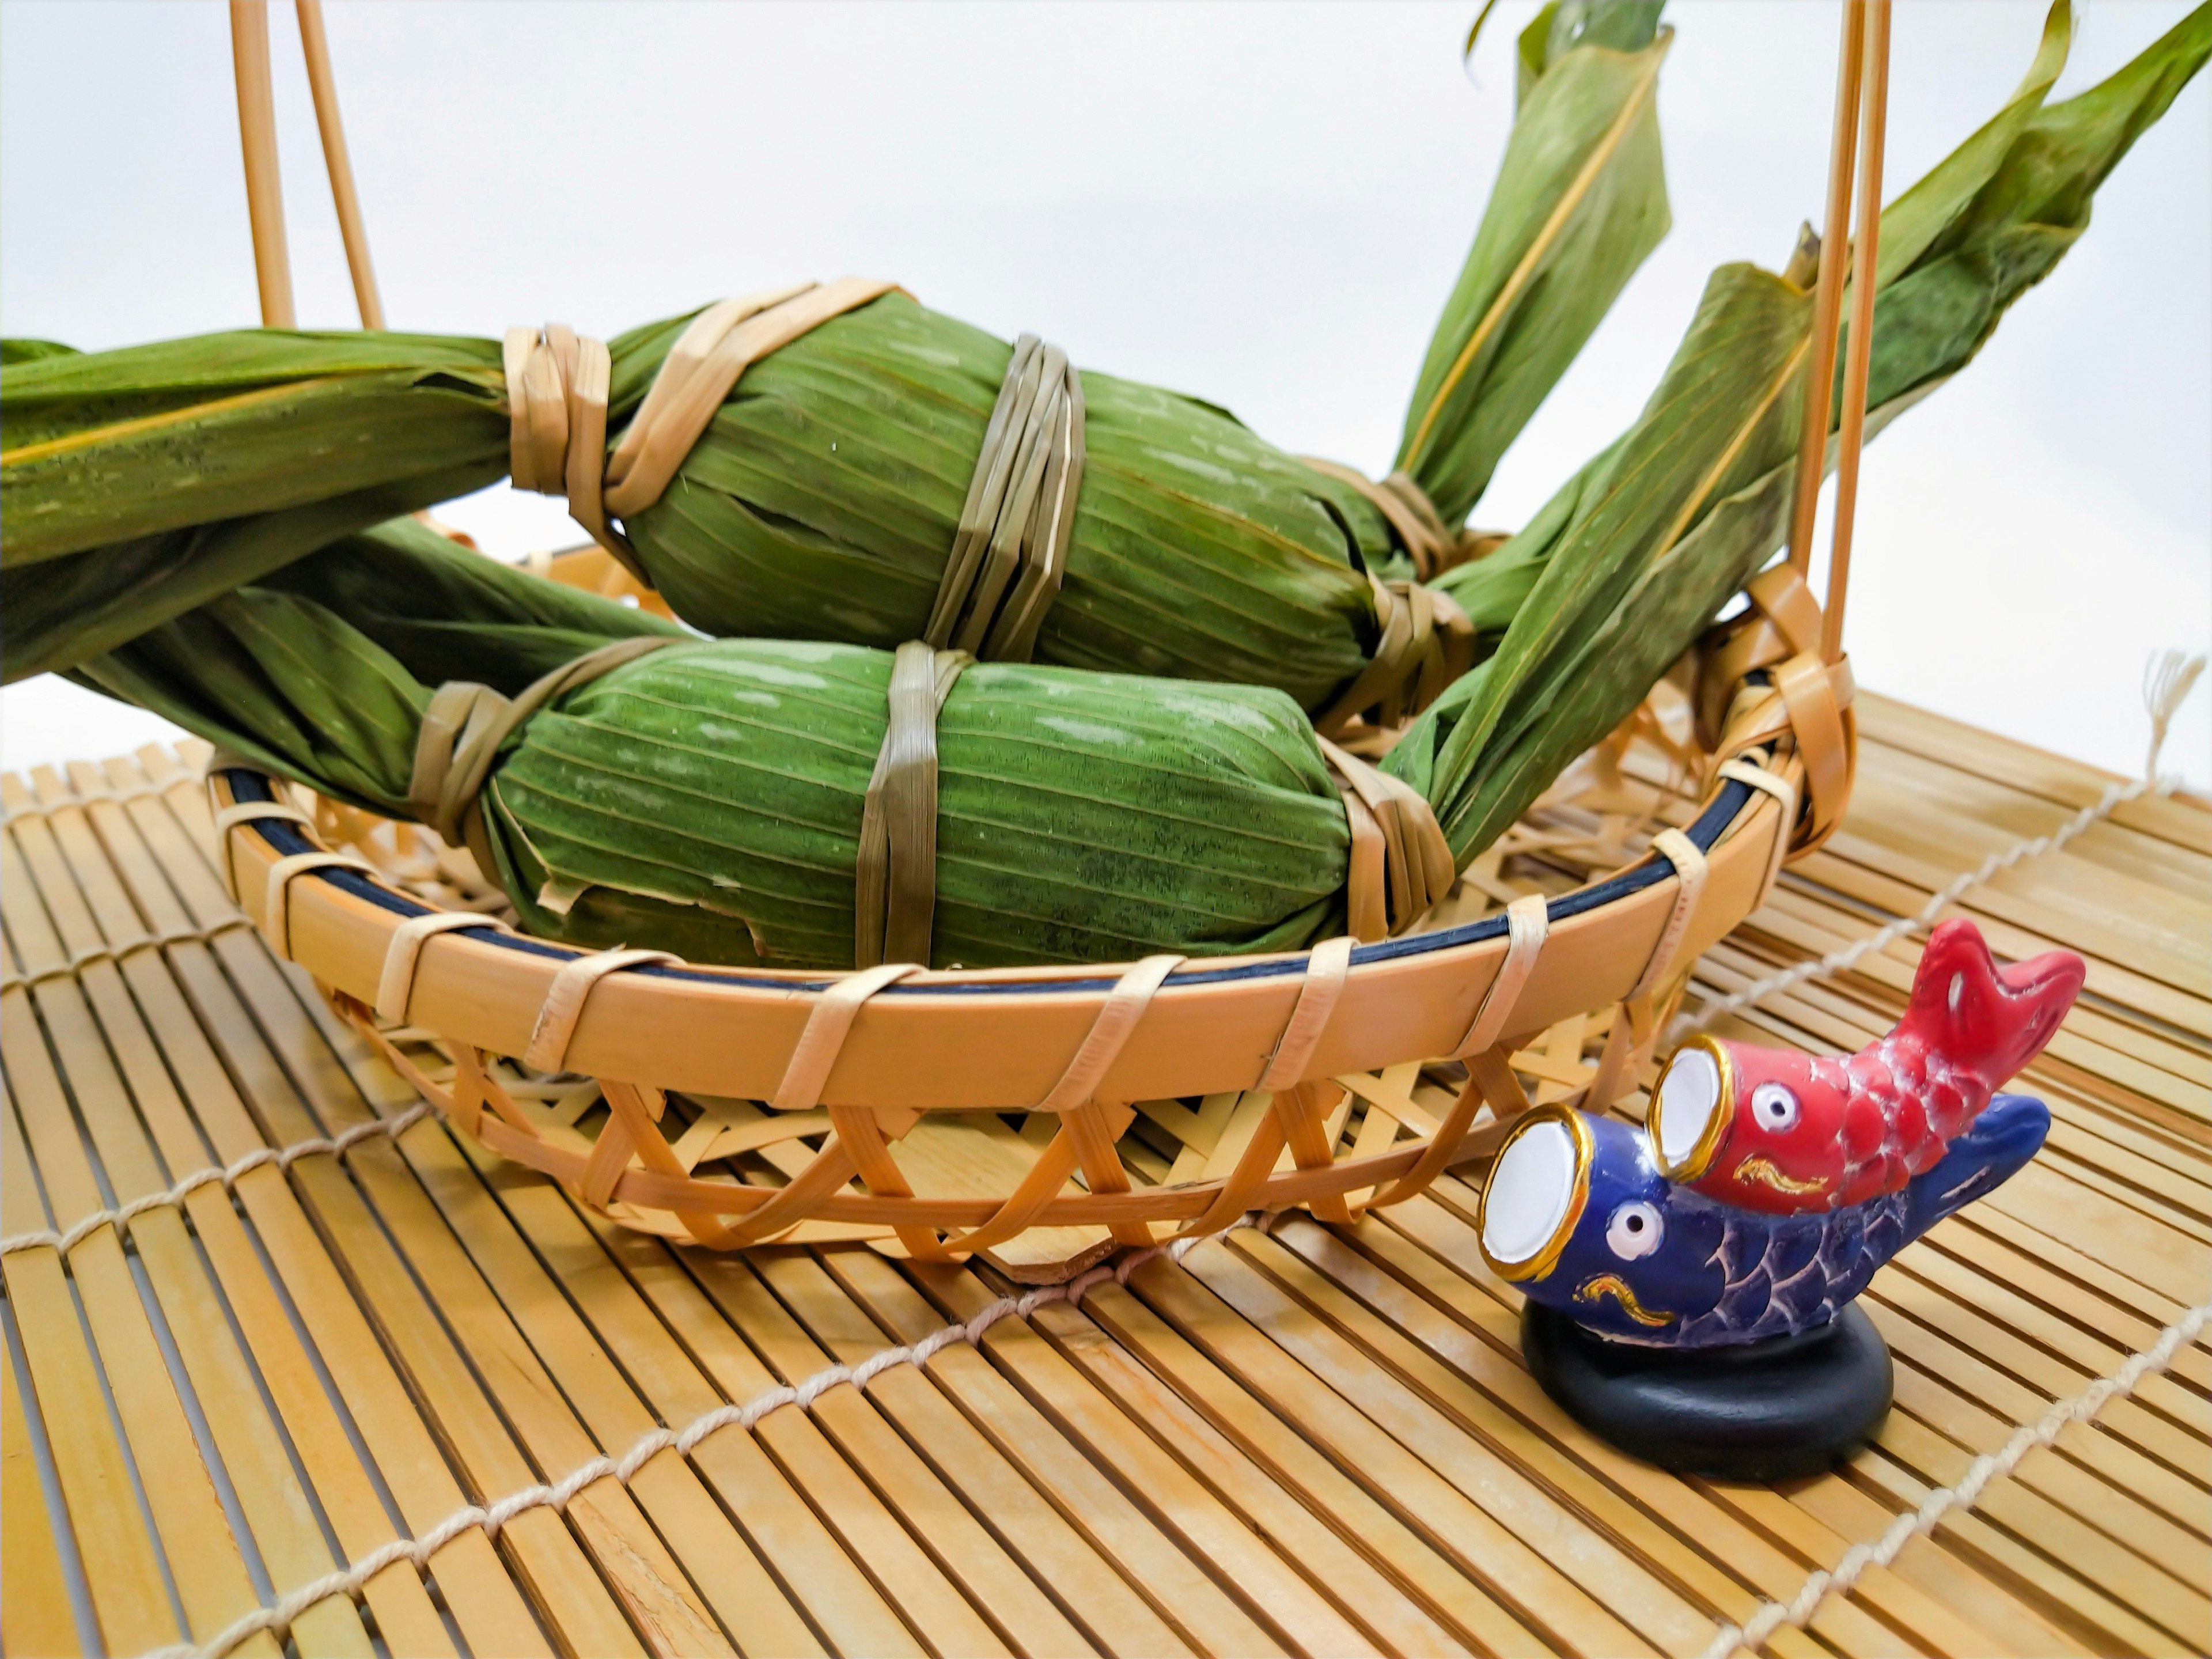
1578 1214
1779 1131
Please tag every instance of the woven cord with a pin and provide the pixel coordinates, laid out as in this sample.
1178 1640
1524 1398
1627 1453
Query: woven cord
283 1157
115 953
2167 681
1857 1560
277 1618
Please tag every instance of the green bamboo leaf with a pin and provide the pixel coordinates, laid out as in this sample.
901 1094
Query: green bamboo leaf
1580 203
1650 540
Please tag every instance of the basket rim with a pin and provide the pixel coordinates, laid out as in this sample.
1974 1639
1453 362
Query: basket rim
997 1039
1716 816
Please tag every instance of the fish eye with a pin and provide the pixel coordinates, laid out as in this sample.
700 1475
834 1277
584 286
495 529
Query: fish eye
1774 1107
1634 1229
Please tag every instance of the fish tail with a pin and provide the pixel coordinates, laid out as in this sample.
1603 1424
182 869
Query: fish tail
1979 1018
2008 1133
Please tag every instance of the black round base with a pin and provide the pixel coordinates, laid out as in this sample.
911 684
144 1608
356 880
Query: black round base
1773 1410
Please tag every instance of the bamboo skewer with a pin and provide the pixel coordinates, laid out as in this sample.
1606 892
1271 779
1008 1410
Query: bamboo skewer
1862 331
1828 287
257 132
315 45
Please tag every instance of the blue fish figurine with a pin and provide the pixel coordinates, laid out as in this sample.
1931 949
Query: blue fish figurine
1578 1215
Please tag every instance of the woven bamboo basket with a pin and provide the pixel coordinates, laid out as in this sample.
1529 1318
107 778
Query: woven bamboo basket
1043 1117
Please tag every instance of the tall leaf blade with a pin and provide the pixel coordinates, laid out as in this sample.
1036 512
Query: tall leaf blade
1651 538
1580 203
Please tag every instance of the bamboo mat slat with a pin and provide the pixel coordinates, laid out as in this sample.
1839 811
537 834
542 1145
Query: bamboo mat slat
1299 1438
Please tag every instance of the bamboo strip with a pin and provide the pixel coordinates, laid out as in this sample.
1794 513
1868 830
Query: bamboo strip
1900 1594
1385 1346
1898 896
314 44
1974 806
1274 1610
1859 351
254 1455
857 1507
478 1592
1418 1478
1078 1558
2131 1295
1163 1554
1097 1608
1933 1385
1337 1602
123 1573
1659 1616
2060 1315
611 1312
257 127
205 1563
2093 1617
1828 287
1943 1574
491 1322
173 1041
555 1572
2185 822
35 1614
838 1595
1478 1338
965 1550
2017 1360
2060 1539
2099 1543
1386 1544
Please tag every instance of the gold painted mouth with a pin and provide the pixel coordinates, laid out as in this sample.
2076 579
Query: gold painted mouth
1614 1285
1760 1170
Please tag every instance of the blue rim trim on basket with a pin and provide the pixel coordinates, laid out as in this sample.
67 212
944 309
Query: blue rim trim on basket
1720 812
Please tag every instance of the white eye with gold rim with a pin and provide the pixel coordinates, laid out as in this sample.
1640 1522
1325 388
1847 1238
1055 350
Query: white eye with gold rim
1774 1108
1634 1229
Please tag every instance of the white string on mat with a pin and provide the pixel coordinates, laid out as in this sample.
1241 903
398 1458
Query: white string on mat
1994 1466
348 1580
2167 681
85 958
283 1157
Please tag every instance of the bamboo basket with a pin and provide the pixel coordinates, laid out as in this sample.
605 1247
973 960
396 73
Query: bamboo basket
1043 1117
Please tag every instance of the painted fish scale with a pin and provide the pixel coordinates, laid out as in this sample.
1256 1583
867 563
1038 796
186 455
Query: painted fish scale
1644 1260
1780 1132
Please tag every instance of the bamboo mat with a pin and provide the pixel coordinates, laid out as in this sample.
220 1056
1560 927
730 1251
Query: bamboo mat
1297 1438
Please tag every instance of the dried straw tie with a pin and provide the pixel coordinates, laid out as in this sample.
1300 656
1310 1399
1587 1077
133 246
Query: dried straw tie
557 382
895 878
1423 641
1011 550
467 723
1398 863
1421 530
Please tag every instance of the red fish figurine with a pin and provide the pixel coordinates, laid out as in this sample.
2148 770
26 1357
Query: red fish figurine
1782 1131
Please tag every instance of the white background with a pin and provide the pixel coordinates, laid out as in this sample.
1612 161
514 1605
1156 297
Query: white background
1264 205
